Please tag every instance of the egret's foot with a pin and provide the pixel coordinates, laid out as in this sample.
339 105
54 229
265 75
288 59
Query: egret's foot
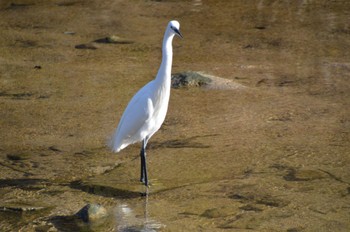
146 183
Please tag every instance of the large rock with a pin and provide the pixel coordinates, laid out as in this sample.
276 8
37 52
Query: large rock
200 79
92 213
188 79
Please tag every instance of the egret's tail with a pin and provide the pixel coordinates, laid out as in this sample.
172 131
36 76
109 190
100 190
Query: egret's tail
113 144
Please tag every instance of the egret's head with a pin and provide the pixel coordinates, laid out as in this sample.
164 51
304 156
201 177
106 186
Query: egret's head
175 27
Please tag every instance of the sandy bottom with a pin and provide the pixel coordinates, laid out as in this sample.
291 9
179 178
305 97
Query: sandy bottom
269 153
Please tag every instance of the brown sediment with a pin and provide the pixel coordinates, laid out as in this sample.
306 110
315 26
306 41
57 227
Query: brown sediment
270 154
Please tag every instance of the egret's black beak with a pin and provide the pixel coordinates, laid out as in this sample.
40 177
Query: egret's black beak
178 33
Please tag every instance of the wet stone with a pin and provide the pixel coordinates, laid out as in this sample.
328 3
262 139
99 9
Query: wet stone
216 213
114 40
200 79
92 213
238 197
294 229
16 6
102 169
266 200
86 46
55 149
304 175
19 156
211 213
272 202
17 96
188 79
250 208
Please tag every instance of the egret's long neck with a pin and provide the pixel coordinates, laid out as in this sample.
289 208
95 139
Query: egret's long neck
164 71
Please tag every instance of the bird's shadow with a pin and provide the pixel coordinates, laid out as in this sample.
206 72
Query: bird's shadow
105 191
180 143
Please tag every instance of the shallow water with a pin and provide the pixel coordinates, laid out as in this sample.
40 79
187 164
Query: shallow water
273 156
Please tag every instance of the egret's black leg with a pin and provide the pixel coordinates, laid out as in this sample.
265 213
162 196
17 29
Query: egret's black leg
145 169
142 156
144 178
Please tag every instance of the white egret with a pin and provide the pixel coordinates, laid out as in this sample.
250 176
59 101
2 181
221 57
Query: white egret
146 111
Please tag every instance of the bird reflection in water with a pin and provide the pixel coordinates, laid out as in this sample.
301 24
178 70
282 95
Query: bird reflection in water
128 221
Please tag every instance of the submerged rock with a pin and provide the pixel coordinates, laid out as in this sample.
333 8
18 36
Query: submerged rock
86 46
92 217
114 39
305 175
188 79
106 40
18 156
92 213
199 79
17 6
217 213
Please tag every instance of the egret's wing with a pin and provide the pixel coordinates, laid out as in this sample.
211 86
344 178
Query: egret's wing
138 111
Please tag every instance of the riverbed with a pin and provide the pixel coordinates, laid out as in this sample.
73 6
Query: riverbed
271 155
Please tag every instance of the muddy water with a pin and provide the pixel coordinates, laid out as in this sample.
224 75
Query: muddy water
273 156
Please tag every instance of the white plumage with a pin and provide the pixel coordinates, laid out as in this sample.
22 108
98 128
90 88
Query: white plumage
146 111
